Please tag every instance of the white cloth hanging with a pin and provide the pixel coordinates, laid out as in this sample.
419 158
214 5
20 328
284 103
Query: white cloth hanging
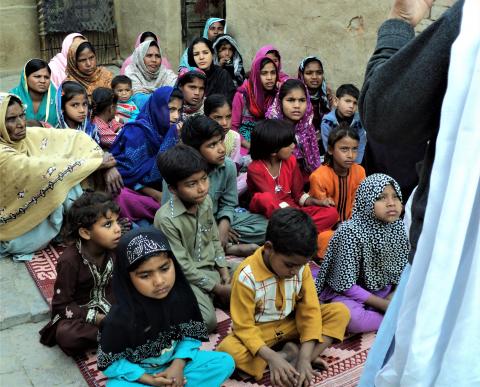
437 340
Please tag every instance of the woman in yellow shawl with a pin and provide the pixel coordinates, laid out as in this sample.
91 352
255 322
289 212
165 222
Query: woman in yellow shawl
82 67
40 172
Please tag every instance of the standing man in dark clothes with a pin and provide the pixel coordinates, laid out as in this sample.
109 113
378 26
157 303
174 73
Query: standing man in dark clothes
402 95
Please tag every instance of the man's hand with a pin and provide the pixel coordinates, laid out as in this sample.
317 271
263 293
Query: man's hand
411 11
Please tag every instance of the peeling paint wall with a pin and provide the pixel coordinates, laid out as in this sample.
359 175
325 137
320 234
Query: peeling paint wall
342 33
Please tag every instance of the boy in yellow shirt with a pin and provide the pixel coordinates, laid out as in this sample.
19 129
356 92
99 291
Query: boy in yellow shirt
274 301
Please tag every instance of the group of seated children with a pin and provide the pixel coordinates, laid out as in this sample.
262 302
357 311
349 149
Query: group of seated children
181 157
169 278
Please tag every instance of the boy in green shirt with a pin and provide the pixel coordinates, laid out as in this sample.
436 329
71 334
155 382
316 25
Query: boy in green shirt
187 221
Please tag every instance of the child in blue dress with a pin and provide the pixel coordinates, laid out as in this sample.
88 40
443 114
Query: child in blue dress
152 336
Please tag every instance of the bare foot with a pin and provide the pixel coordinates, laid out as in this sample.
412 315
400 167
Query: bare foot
242 250
289 352
319 364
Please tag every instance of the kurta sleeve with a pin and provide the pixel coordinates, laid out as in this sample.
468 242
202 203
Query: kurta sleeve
194 276
186 349
219 252
307 310
237 110
319 184
242 310
297 181
229 198
63 301
124 370
357 293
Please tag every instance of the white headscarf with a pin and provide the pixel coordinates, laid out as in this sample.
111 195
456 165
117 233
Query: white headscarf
142 79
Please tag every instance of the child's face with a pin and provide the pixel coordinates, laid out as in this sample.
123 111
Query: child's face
123 91
193 92
225 51
283 266
175 107
152 59
213 150
388 206
223 115
214 30
347 105
294 104
285 152
105 232
202 56
192 190
313 75
344 153
113 110
268 76
274 57
154 277
76 109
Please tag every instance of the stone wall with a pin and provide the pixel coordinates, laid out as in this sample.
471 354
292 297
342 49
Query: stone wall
342 33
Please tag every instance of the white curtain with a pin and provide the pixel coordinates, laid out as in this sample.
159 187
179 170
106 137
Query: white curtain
437 340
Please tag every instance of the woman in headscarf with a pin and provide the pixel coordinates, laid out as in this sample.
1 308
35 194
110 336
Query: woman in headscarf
82 67
153 333
227 55
310 72
147 72
40 171
214 26
367 254
143 37
219 81
138 143
272 53
37 92
58 64
253 98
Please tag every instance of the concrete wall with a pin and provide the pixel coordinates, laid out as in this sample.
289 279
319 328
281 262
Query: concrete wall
162 17
18 34
342 33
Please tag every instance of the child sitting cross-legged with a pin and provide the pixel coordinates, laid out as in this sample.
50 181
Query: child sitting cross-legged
274 301
152 335
82 293
240 233
188 221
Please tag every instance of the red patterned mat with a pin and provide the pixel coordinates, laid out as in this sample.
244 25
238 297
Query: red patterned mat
345 359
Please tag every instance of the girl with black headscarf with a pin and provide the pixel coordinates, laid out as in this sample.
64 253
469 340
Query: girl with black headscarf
153 334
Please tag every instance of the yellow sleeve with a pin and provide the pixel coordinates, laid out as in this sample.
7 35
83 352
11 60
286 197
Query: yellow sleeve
242 311
308 316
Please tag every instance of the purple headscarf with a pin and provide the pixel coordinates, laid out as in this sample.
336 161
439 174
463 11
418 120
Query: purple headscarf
307 143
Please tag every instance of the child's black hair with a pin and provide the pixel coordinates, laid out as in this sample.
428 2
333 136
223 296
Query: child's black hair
214 102
85 211
69 90
33 65
148 34
190 76
288 86
269 136
121 79
292 231
179 163
198 129
82 47
347 89
340 131
200 39
102 99
176 93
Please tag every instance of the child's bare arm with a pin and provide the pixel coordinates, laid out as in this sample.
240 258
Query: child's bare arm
377 302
